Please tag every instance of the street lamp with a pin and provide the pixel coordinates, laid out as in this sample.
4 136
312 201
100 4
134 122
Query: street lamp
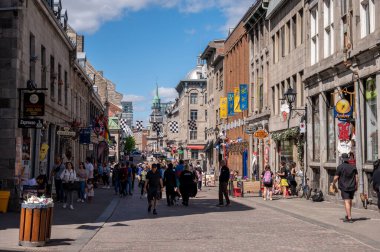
290 97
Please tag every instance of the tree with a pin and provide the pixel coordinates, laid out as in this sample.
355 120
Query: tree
129 144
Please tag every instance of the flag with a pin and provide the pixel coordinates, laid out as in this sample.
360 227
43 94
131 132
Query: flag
139 125
156 126
237 100
173 126
192 125
243 96
223 108
230 100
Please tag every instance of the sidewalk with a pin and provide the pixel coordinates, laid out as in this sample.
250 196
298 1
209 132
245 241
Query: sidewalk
366 226
71 229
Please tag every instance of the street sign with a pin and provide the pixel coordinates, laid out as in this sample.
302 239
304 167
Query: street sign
260 134
66 133
27 123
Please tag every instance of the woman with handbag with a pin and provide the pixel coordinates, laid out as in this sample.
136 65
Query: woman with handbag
69 177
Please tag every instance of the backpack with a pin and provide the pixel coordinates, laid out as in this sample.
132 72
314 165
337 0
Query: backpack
317 197
267 179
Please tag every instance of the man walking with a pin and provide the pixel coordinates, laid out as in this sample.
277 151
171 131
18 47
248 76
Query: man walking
347 177
224 177
186 181
153 186
170 184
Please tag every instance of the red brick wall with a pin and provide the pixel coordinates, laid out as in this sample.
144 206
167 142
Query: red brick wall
236 71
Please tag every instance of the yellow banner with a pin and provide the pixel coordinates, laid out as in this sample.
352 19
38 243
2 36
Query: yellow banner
237 100
223 108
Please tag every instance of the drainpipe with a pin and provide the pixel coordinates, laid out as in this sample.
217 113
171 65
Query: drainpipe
358 131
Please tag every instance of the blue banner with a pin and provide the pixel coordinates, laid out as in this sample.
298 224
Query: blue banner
85 136
243 96
230 102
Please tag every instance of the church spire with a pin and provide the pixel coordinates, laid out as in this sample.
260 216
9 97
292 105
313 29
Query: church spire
156 100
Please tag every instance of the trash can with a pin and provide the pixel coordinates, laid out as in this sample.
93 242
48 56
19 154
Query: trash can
35 224
4 199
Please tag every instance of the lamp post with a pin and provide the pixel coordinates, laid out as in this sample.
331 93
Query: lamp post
290 97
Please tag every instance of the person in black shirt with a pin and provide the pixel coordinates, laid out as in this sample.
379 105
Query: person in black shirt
376 180
170 184
224 177
347 177
186 180
153 186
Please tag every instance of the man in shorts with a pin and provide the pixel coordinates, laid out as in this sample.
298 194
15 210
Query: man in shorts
347 177
153 186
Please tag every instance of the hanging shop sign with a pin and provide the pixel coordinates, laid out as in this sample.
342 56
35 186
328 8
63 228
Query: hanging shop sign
34 104
260 134
85 136
343 110
66 132
27 123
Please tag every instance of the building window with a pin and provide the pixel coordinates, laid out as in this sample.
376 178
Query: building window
206 115
193 98
221 79
286 151
193 114
328 23
294 31
273 101
43 67
60 83
33 57
205 98
194 154
287 38
300 27
217 116
193 135
346 24
316 128
261 97
367 17
66 88
53 76
331 143
314 35
371 127
277 99
282 39
300 88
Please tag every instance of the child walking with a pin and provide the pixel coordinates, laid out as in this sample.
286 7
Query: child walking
90 190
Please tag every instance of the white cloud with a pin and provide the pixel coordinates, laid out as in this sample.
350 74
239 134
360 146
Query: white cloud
89 15
166 94
191 31
133 98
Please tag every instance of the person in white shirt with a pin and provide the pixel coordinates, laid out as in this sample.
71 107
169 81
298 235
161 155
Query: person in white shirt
89 169
68 177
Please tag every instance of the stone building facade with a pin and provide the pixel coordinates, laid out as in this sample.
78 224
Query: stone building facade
37 53
287 37
342 67
213 56
236 71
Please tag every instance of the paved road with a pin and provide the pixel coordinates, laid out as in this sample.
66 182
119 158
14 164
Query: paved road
249 224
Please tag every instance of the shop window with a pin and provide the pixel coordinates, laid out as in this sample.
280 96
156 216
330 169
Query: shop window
370 122
286 151
316 129
330 175
331 142
316 178
194 154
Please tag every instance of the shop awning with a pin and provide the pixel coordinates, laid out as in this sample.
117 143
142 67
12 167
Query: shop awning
195 147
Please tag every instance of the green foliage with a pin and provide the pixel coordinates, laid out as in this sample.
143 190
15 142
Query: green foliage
292 134
129 144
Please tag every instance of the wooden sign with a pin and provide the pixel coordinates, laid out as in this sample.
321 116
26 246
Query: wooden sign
260 134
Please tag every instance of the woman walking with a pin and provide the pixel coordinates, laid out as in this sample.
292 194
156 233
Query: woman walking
283 182
82 178
68 177
267 178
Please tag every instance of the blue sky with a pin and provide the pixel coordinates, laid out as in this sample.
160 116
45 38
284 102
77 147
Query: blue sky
140 42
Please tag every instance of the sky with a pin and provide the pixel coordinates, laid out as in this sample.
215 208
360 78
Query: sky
138 43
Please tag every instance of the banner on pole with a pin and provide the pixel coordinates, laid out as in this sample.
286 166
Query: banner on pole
223 108
230 99
237 100
243 96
